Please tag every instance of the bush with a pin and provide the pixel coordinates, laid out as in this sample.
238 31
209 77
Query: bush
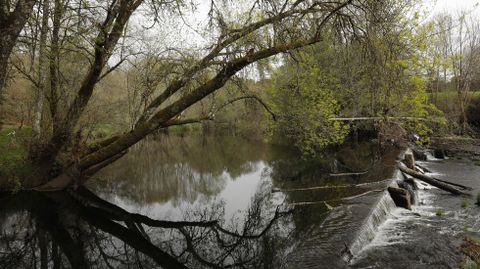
473 112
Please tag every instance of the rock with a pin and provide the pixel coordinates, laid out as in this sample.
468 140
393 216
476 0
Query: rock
401 197
412 183
439 153
410 159
418 152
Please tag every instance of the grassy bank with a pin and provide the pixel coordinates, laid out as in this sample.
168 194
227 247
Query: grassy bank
13 153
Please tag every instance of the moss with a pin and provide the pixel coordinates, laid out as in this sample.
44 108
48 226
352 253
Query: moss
464 203
440 212
474 239
471 265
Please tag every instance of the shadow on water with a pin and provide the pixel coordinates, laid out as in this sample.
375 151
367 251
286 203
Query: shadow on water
196 201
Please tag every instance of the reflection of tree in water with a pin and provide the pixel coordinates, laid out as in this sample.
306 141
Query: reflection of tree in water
290 171
80 230
173 168
317 185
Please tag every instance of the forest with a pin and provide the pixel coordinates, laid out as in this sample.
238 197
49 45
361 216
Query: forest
161 89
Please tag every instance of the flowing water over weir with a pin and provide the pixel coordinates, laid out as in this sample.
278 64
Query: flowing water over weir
345 232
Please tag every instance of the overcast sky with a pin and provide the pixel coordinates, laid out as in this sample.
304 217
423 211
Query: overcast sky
440 6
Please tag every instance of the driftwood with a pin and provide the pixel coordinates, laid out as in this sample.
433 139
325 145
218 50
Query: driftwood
361 185
454 184
337 200
348 174
430 180
376 118
425 170
422 168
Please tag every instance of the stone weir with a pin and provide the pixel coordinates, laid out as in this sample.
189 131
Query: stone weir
347 226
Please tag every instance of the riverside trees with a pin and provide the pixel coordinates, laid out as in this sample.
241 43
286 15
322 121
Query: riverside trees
89 33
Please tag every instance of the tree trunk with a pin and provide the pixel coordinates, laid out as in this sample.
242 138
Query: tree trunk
11 24
40 90
161 118
430 180
54 63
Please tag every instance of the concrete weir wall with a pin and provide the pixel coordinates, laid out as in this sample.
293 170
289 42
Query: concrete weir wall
346 231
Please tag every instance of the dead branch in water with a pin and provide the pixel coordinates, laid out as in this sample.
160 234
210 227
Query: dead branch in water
348 174
430 180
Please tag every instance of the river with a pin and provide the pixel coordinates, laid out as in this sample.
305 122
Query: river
248 204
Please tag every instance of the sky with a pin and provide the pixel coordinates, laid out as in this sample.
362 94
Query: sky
452 6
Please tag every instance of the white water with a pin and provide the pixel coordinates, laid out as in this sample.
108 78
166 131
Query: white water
371 225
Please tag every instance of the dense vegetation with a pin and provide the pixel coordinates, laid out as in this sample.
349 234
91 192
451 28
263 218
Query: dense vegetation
84 84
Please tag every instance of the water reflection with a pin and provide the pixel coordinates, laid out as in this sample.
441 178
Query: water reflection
179 169
81 230
197 201
171 173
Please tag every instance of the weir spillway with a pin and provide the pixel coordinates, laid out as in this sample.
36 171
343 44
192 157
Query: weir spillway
346 230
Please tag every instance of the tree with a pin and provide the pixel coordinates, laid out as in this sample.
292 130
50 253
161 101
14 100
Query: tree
305 93
281 28
13 16
376 73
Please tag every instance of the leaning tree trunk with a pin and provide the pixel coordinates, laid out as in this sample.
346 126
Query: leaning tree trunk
11 24
155 119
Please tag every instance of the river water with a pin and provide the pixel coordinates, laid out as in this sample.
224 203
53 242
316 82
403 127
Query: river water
271 207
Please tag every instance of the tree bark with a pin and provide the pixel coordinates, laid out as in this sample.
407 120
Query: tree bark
40 90
109 33
11 24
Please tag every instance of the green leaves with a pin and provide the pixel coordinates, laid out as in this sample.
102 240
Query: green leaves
305 94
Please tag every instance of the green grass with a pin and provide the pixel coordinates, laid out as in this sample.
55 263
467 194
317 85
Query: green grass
476 240
448 101
464 203
440 212
13 153
103 130
449 95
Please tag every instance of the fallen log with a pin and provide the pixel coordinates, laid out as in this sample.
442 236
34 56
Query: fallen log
424 170
430 180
